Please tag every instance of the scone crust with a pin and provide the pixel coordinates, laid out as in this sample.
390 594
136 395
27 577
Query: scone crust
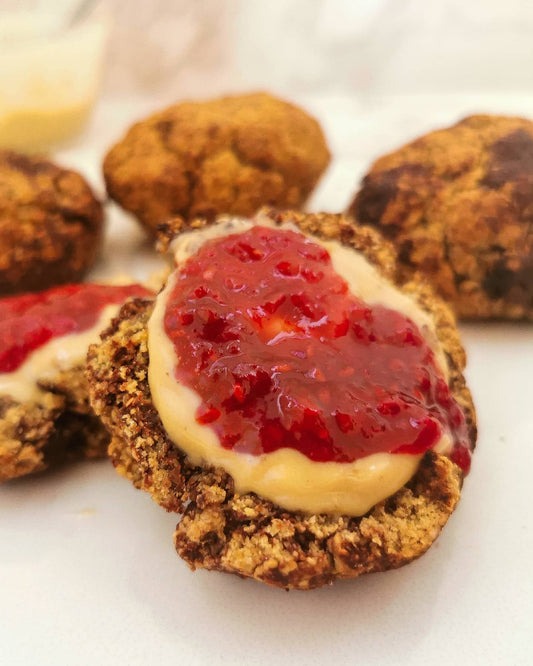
458 204
60 427
246 534
228 155
50 224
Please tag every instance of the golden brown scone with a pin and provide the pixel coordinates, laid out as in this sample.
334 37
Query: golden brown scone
59 428
458 204
50 224
228 155
246 534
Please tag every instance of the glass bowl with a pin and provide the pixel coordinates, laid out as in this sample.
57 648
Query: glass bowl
50 76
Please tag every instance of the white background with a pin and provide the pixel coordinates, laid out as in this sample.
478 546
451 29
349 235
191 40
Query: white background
355 47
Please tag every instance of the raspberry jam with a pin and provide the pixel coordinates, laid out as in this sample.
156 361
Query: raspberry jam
283 355
27 322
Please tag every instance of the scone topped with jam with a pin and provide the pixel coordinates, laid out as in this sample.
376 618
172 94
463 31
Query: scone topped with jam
308 418
45 416
227 155
458 205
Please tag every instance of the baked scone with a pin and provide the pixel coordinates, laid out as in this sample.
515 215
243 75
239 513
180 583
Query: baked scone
227 155
307 432
45 415
50 224
458 204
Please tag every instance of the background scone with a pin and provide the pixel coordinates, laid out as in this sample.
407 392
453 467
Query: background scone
227 155
45 415
50 224
458 204
292 534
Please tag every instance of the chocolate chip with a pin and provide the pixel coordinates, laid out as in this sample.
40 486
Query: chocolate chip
502 282
511 160
30 167
164 127
404 253
498 281
378 190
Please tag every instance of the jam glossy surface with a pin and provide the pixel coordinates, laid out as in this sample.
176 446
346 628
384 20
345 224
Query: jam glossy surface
283 355
29 321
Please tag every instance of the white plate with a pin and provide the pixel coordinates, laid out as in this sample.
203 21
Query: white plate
88 573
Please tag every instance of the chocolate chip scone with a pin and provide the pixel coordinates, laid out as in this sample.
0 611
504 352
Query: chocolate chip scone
50 224
227 155
45 415
458 204
317 435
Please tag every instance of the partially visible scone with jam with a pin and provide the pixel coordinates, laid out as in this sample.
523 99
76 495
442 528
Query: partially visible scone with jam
309 419
458 204
227 155
45 415
50 224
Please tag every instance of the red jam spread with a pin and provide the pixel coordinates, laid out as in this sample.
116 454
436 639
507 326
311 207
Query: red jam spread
283 355
27 322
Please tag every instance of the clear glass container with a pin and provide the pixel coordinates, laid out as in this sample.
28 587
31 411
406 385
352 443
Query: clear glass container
50 74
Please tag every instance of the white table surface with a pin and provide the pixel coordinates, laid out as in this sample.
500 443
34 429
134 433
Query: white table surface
88 572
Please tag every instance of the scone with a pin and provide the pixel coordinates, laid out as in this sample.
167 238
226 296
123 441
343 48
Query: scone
45 416
458 204
50 224
308 419
228 155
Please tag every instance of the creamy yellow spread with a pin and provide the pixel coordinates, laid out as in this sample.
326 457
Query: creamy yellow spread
35 129
61 353
286 477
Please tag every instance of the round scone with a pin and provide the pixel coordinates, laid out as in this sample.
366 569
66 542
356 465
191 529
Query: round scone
308 419
458 204
45 415
50 224
228 155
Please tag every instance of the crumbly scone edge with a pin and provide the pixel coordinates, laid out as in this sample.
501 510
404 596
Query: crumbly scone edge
60 427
